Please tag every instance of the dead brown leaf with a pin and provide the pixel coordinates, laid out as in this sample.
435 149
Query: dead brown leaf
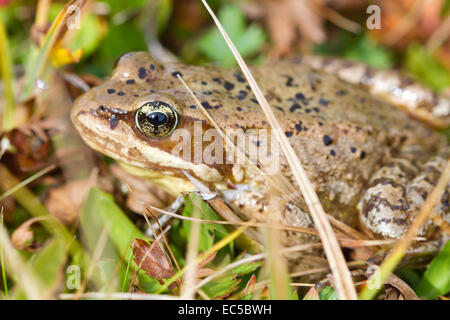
250 286
31 151
289 19
407 21
152 259
397 289
22 237
207 260
65 201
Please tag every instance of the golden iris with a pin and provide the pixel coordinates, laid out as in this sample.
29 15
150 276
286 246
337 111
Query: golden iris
156 119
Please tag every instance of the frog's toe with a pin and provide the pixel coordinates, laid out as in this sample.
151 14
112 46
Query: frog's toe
396 193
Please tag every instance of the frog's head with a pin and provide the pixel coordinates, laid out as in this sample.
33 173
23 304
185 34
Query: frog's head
135 118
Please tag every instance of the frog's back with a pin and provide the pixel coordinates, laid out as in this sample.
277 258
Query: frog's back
340 132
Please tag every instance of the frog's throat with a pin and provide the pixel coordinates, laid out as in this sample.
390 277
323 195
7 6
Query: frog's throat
170 184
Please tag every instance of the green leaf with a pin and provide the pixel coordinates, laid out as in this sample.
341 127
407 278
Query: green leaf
47 265
358 48
120 5
100 210
231 280
89 36
426 68
206 240
366 50
436 280
209 232
209 214
221 287
328 293
411 276
120 39
446 7
247 40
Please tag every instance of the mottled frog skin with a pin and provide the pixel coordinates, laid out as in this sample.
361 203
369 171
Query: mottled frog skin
371 163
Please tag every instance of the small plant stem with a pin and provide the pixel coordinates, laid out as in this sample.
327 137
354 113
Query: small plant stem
7 78
2 262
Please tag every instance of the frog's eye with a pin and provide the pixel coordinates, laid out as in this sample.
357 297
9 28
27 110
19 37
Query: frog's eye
156 119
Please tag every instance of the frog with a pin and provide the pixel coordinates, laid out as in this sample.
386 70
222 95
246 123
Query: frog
367 138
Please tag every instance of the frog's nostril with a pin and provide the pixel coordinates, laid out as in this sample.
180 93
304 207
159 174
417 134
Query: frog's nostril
157 118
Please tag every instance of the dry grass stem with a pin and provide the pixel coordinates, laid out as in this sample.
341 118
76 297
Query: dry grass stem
190 278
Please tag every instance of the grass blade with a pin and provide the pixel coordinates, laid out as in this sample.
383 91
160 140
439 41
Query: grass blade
16 266
7 78
54 34
436 280
2 262
26 181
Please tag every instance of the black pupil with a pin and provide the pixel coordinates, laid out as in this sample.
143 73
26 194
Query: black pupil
157 118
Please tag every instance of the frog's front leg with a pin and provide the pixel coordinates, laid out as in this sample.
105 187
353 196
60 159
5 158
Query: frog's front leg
396 193
271 209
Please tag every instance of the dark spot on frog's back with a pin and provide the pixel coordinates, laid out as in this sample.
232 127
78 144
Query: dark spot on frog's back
142 73
111 91
300 96
228 85
324 102
206 105
130 81
176 74
242 95
294 107
239 77
289 81
327 140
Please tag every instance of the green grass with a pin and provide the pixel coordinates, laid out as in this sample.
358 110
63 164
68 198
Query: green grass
2 262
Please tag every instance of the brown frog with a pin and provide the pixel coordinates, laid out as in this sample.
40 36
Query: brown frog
371 163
